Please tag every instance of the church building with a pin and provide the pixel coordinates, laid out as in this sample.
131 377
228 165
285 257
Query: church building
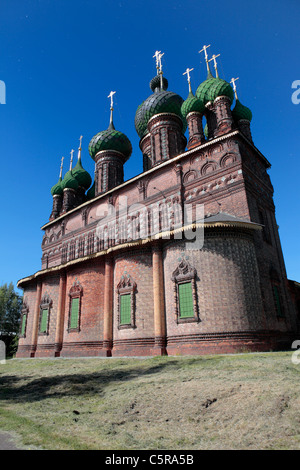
184 258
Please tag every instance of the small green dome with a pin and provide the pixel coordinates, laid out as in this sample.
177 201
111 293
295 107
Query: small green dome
192 104
220 88
69 181
82 176
110 140
161 101
241 112
91 192
57 188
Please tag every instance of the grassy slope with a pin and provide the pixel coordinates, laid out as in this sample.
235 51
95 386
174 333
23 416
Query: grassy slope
212 402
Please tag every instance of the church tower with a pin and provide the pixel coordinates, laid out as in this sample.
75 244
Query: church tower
109 149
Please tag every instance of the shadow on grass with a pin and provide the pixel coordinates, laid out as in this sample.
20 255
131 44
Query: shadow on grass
23 388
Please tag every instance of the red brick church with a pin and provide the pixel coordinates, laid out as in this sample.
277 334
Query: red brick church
184 258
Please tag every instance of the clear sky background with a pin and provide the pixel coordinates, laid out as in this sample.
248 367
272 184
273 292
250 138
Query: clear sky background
60 59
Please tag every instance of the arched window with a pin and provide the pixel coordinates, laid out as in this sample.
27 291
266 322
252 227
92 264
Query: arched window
45 307
75 296
24 317
126 290
185 293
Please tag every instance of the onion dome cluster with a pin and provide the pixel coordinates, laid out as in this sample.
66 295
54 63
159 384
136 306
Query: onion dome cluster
161 101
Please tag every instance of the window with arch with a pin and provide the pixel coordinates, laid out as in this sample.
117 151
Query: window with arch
45 308
24 317
185 293
75 296
126 290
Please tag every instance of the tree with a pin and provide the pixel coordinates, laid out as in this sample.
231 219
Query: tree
10 314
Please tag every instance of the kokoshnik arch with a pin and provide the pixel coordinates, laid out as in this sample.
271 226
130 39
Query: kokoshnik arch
135 285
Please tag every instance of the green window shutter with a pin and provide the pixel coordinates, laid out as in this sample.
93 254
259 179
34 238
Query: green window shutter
44 321
23 324
125 309
277 301
186 305
74 313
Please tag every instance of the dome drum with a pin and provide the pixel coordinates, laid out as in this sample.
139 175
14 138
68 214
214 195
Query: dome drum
223 114
195 127
69 200
109 171
57 205
167 139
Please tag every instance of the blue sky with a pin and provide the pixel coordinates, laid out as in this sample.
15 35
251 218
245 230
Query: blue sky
60 59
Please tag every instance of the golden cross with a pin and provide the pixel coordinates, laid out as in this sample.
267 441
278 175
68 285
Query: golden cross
79 148
72 151
206 56
158 55
233 80
61 167
215 63
111 99
187 72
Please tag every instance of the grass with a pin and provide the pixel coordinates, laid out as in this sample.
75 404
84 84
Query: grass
245 401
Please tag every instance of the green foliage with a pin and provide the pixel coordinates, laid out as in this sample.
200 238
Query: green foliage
10 313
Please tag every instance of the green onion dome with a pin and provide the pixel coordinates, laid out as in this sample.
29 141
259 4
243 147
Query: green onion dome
111 139
192 104
220 88
202 92
161 101
69 181
82 176
57 188
241 112
91 192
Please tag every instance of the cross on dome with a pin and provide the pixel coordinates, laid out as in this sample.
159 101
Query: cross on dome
158 55
187 72
233 80
61 167
111 95
71 160
214 57
79 148
205 54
